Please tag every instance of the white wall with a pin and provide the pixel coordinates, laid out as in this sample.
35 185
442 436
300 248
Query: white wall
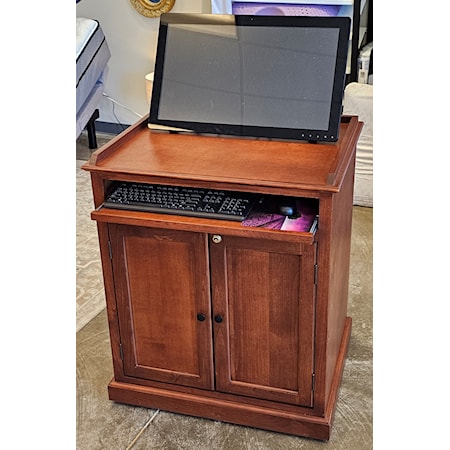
132 40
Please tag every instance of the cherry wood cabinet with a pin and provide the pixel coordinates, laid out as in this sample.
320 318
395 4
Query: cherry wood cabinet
214 319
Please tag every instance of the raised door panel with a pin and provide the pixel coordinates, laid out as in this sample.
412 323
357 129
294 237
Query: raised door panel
162 288
263 297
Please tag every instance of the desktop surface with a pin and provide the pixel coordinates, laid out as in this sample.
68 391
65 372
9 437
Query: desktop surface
251 165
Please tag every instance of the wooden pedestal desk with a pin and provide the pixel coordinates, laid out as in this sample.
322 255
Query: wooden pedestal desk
213 319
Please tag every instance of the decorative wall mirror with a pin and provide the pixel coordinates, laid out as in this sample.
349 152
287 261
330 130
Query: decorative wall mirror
152 8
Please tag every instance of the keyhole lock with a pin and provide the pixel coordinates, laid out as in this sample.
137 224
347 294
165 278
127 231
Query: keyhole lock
217 238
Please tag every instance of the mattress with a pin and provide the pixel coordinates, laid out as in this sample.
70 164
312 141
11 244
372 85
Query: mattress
358 100
92 55
90 105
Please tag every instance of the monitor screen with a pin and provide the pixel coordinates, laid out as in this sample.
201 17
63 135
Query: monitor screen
258 76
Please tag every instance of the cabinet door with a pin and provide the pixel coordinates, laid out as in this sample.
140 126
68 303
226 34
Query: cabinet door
163 302
263 308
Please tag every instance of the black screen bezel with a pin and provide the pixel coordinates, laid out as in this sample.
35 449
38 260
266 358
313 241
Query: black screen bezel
331 134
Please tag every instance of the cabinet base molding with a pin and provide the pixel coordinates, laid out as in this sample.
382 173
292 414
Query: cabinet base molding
236 412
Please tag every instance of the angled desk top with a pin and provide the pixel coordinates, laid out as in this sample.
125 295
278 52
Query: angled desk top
245 164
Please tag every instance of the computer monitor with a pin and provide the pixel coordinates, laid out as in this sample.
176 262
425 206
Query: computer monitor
279 77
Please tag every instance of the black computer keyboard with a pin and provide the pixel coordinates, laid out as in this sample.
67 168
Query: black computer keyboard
186 201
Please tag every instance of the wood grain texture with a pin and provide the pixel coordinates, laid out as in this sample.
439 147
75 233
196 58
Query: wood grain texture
162 283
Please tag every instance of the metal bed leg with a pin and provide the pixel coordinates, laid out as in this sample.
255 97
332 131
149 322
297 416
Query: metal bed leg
90 127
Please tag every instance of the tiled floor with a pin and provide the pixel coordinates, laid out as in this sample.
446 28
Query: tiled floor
102 424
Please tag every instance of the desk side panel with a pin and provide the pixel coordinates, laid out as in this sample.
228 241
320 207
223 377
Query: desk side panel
334 238
342 209
111 304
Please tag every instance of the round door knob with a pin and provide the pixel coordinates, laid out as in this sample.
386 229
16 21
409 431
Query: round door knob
218 318
217 239
201 317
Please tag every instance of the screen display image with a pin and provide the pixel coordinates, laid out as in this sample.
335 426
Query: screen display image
259 76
